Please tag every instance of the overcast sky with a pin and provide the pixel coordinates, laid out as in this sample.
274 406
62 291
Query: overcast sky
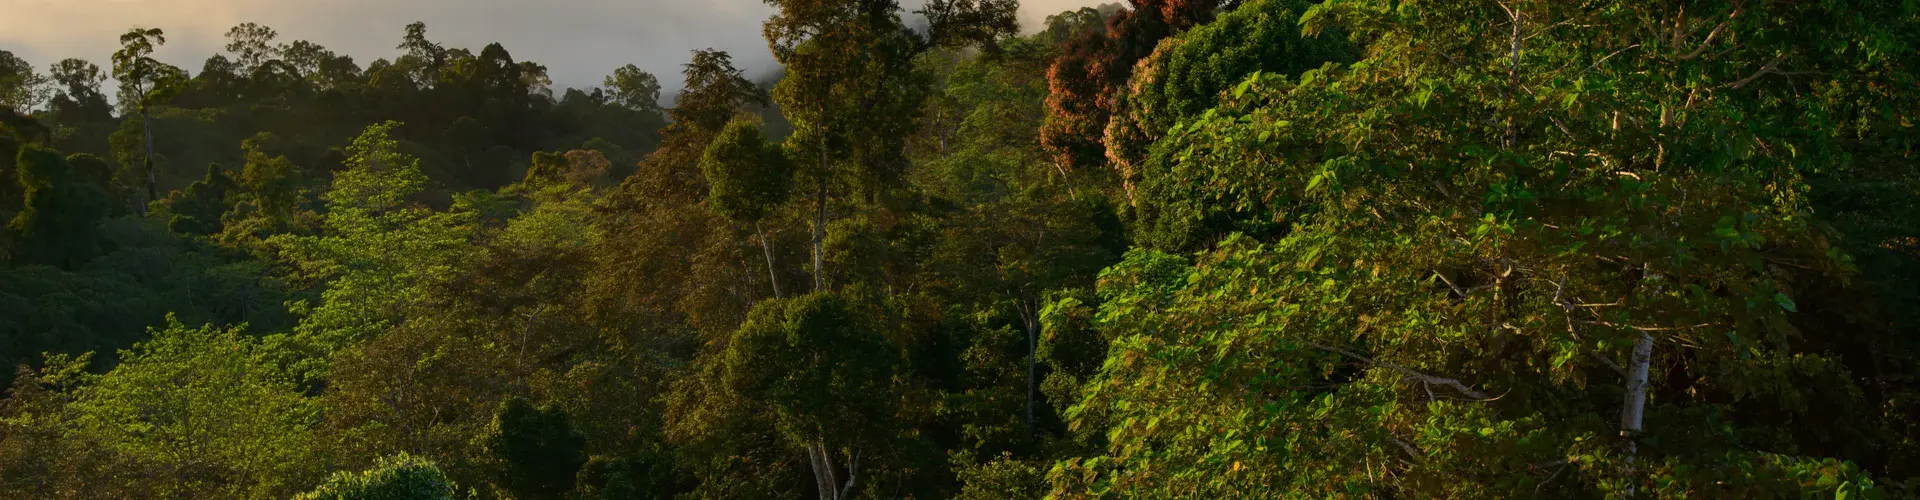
578 40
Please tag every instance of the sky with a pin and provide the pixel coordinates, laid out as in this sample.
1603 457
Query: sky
579 41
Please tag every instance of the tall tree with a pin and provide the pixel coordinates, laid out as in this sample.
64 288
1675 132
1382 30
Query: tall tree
747 178
145 82
850 88
424 58
713 93
21 87
77 97
635 89
252 46
380 247
817 363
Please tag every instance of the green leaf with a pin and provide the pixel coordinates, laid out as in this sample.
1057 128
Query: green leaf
1785 302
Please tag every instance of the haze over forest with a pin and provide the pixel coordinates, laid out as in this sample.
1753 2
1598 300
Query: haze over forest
972 249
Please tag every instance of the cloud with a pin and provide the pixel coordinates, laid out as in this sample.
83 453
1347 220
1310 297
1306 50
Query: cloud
578 40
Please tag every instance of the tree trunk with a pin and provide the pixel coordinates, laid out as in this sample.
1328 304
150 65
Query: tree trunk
1633 410
1068 179
821 484
824 482
153 190
766 247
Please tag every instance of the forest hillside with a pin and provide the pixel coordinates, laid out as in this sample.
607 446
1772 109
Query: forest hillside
1153 249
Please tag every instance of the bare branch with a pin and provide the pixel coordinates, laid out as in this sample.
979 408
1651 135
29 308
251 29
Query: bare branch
1766 69
1411 451
1455 384
1559 298
1647 328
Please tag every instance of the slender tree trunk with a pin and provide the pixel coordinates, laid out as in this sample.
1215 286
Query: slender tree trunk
1068 179
766 247
1633 410
526 334
153 190
853 475
1513 74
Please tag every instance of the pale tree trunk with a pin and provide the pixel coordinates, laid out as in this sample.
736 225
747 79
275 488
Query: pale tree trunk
826 481
824 478
1068 179
766 247
822 472
1633 409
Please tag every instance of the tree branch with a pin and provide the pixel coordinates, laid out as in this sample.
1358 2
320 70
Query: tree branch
1455 384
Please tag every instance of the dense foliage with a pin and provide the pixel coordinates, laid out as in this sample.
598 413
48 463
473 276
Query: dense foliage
1167 249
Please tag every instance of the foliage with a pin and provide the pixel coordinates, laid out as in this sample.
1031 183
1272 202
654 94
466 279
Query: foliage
197 209
21 88
198 412
1002 477
537 452
635 89
398 477
1359 248
58 223
109 302
1186 74
1087 81
746 175
1428 306
380 248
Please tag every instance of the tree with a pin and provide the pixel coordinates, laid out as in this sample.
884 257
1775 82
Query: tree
850 90
58 224
252 46
77 98
536 451
1187 74
608 479
272 181
398 477
747 177
380 248
1018 251
20 87
145 82
635 89
1088 81
816 363
1572 294
424 58
199 412
713 93
198 208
